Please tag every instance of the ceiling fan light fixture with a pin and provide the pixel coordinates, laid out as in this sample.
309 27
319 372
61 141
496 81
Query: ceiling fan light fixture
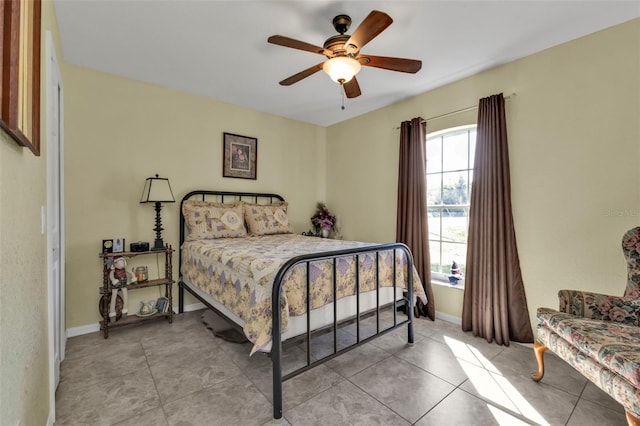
341 69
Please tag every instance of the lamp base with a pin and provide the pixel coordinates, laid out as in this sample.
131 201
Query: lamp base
159 245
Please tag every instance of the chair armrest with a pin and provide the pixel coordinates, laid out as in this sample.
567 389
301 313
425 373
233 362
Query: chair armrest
600 306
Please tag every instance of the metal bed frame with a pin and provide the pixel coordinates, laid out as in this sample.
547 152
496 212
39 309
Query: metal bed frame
276 349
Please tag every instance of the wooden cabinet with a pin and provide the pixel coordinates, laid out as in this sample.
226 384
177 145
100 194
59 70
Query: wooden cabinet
132 318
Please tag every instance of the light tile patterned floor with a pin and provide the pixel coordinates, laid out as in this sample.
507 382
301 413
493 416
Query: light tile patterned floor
180 374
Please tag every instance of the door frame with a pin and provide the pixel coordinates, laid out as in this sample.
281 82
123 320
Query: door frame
54 83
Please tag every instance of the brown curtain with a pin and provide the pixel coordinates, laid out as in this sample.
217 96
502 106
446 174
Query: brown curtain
411 223
495 304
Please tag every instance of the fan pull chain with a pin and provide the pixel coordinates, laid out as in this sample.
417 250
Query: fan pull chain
342 93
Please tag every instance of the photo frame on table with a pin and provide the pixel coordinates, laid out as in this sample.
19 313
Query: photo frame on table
118 245
239 156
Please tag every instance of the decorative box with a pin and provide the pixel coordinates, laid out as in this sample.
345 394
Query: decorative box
139 246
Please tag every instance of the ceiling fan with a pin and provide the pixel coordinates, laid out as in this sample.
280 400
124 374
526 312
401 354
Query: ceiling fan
343 53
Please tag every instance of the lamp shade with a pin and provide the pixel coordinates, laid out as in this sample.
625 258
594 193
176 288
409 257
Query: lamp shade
157 190
341 69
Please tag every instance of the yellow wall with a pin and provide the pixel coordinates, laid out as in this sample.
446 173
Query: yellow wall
23 292
118 132
24 356
574 141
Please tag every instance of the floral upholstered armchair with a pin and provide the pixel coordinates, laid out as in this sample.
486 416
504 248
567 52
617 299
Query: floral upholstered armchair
624 309
599 335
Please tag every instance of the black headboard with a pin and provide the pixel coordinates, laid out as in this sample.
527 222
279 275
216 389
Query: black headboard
222 197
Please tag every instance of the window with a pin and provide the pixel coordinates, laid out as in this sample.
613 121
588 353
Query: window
449 174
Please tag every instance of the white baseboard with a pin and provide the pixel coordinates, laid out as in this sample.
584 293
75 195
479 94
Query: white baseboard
92 328
448 318
83 329
194 307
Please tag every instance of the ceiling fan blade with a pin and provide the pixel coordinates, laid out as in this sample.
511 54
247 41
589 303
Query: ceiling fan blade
300 45
302 74
352 88
373 24
394 64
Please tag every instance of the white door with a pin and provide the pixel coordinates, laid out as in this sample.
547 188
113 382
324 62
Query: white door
55 218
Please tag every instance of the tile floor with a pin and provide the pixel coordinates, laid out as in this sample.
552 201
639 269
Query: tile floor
180 374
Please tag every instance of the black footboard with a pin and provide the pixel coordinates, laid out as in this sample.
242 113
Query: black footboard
276 349
333 256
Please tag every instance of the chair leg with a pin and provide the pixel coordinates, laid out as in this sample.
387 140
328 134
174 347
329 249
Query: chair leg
632 420
539 350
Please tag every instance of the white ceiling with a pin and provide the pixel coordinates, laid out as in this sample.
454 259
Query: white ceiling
219 49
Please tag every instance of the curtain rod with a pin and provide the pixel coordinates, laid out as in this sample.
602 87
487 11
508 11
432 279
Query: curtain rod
459 111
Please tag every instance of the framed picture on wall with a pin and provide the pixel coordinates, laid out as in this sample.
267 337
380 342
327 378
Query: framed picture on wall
239 156
20 71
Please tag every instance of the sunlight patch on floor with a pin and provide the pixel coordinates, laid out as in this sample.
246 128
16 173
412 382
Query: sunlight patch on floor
504 418
493 386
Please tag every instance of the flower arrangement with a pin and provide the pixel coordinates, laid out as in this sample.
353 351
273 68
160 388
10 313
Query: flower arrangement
323 219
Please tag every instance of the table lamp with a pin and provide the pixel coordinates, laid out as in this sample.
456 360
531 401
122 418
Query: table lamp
157 190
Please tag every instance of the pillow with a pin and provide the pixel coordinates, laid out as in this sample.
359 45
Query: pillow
267 219
207 221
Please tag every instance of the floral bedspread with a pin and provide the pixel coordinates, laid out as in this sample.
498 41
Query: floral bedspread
239 273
